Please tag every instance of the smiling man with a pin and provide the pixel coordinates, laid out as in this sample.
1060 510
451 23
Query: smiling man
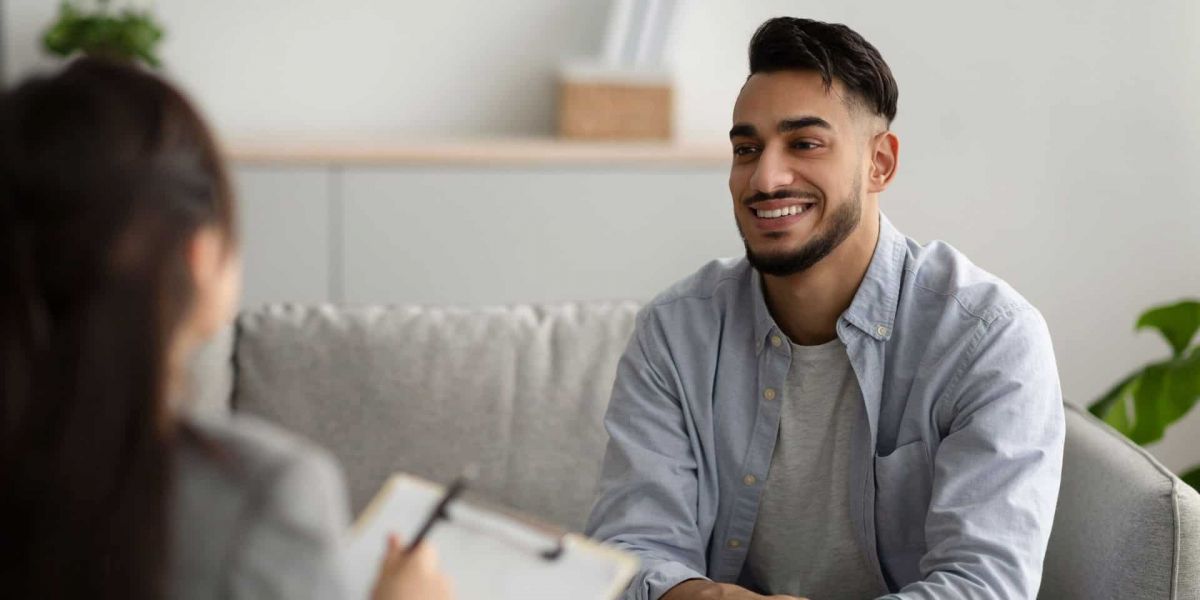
843 413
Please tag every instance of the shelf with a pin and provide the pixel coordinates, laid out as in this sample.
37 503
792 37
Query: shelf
483 152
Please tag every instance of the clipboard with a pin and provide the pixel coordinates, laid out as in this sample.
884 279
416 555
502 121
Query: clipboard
485 553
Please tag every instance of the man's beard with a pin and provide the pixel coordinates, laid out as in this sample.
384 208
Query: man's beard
842 223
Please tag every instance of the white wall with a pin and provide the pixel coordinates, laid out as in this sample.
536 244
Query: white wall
1053 142
359 67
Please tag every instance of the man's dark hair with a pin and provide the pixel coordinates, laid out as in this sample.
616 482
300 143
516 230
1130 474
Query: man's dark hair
835 51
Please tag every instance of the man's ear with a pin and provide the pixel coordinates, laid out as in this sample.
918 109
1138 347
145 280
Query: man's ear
885 157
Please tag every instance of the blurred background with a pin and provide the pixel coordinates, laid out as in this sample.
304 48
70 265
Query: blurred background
409 152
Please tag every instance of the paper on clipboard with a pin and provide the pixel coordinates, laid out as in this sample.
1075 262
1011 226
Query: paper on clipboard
485 553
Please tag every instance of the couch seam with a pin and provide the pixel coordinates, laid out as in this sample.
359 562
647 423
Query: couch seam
1178 540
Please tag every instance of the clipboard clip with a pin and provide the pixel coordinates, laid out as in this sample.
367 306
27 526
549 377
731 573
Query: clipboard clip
441 513
557 551
550 554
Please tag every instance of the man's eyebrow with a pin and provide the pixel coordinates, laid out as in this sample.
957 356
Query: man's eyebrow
787 125
743 130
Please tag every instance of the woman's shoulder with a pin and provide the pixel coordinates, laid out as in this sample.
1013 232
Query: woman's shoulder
245 457
253 505
247 442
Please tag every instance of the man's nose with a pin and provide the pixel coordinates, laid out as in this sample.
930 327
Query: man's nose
771 171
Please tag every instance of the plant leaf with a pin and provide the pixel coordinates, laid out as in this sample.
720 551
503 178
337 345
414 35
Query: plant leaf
1176 322
1192 478
62 38
1151 405
1112 407
125 36
1166 392
1187 383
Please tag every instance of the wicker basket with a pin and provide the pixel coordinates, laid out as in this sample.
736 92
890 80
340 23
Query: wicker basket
614 111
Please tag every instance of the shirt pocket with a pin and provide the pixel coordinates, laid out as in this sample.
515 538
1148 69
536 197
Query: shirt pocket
903 486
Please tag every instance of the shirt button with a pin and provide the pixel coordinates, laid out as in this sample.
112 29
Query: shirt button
881 330
749 480
776 341
769 393
735 543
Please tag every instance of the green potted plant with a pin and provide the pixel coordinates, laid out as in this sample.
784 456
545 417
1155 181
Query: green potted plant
123 31
1142 405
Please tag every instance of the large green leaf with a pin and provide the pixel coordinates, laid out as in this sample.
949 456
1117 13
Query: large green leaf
1192 478
1165 392
1176 322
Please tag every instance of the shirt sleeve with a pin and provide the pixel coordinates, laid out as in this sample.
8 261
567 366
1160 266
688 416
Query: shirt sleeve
997 470
647 502
293 540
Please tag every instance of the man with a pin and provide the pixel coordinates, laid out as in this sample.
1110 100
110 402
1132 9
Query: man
843 413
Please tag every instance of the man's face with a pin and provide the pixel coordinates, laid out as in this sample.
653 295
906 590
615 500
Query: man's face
798 169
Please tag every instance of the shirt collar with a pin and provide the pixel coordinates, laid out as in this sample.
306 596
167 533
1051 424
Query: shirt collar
764 323
873 309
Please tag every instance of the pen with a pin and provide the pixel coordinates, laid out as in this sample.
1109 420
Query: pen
439 510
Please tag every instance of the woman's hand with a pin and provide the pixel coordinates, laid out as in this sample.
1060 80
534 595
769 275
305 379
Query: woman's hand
410 575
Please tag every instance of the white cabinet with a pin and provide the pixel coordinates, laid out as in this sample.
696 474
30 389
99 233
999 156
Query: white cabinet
286 225
480 235
476 235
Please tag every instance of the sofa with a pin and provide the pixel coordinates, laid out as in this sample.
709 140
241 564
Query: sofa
521 392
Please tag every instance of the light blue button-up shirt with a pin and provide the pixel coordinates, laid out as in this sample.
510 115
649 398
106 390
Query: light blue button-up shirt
957 455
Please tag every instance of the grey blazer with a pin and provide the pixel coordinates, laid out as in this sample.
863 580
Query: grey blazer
256 512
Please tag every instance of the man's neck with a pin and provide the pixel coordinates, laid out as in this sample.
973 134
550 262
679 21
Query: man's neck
807 305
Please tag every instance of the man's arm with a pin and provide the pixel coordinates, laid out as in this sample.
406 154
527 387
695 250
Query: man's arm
649 484
702 589
997 471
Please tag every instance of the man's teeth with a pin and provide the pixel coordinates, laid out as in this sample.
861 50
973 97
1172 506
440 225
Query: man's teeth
794 209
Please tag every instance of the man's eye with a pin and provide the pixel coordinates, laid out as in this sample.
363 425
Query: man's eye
805 145
744 150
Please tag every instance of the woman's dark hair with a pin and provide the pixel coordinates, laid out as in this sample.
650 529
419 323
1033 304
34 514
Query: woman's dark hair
835 51
106 173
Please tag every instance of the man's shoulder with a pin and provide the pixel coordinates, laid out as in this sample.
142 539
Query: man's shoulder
939 277
715 279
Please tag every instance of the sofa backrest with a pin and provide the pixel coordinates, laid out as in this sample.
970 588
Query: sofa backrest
520 391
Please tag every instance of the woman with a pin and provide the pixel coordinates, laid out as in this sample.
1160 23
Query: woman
118 258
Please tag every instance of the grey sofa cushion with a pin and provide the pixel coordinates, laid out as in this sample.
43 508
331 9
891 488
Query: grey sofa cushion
521 391
1125 526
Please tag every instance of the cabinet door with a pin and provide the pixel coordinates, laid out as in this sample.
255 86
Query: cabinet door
286 226
476 236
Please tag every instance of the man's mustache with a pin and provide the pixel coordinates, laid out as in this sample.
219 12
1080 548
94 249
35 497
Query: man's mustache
781 195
